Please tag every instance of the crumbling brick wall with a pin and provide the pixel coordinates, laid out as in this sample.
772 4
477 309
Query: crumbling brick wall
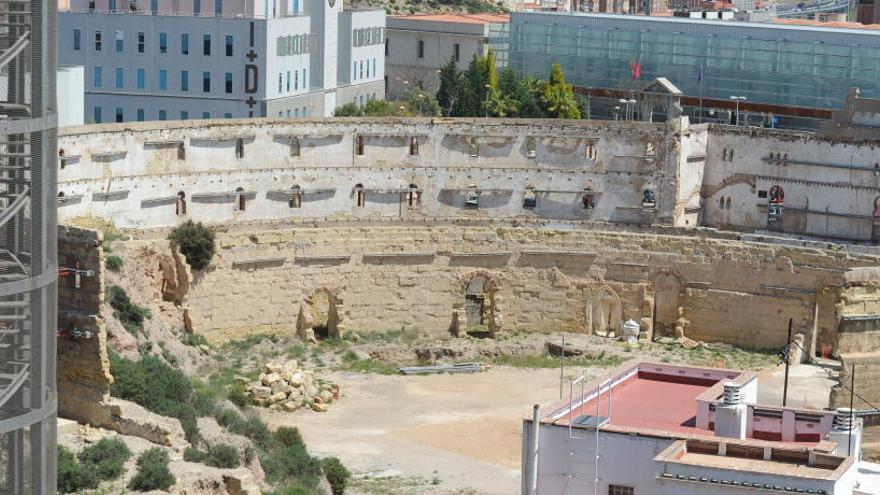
83 365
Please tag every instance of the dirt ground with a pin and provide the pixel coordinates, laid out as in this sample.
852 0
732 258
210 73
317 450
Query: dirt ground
444 434
435 434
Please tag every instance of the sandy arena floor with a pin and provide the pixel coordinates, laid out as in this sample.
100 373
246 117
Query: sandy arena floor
463 430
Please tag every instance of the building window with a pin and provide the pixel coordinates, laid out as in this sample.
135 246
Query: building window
374 67
76 39
197 7
184 115
620 490
590 150
359 145
228 82
240 199
456 52
361 69
206 44
119 115
239 148
206 115
99 73
141 79
530 199
184 80
413 146
184 43
728 203
359 197
421 49
140 115
180 204
227 115
163 80
99 41
294 141
531 147
163 115
354 71
287 86
229 43
305 80
120 78
472 197
181 151
120 41
386 47
163 43
648 199
280 81
142 42
413 197
295 199
588 199
96 114
473 147
206 82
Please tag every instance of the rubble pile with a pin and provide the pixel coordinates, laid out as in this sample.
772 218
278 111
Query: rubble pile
284 386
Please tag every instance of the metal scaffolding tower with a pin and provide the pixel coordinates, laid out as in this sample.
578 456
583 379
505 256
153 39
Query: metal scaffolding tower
28 246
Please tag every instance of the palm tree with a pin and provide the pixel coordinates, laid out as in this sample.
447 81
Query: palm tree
560 102
500 104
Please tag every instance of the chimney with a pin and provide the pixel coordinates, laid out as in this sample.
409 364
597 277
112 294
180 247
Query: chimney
847 432
730 413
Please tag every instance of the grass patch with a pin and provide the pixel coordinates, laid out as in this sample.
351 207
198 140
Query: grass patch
193 339
72 475
368 365
401 335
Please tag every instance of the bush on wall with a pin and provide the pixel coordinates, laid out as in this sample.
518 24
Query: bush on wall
196 242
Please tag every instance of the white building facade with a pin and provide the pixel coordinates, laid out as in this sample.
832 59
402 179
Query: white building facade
418 45
216 60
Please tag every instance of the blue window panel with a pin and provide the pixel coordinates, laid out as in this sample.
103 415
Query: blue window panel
99 73
184 43
97 115
163 80
77 39
141 79
120 78
184 80
140 115
163 115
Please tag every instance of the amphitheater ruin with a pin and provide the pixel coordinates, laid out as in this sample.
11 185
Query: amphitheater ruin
714 232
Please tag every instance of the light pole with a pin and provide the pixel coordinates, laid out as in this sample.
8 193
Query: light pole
628 115
486 103
616 112
738 99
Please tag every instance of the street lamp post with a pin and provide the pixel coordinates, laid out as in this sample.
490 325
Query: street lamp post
738 99
629 114
616 112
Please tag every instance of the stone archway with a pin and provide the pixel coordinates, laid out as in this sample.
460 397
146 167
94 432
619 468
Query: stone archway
479 310
667 299
604 312
321 315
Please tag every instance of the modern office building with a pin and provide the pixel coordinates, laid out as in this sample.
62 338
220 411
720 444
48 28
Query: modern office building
204 59
418 45
28 251
769 64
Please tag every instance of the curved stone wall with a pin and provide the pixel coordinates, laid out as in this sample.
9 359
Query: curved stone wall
406 168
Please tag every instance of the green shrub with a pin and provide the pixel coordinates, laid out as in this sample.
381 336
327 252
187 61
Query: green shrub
287 462
157 387
113 263
106 458
192 454
237 395
73 476
223 456
294 490
196 242
336 474
153 473
129 313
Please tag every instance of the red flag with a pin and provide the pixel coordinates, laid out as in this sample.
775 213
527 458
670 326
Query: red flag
635 68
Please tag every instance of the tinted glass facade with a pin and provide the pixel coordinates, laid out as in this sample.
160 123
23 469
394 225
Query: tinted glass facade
767 63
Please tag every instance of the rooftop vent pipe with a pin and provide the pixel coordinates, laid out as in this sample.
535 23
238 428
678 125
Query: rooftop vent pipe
732 393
